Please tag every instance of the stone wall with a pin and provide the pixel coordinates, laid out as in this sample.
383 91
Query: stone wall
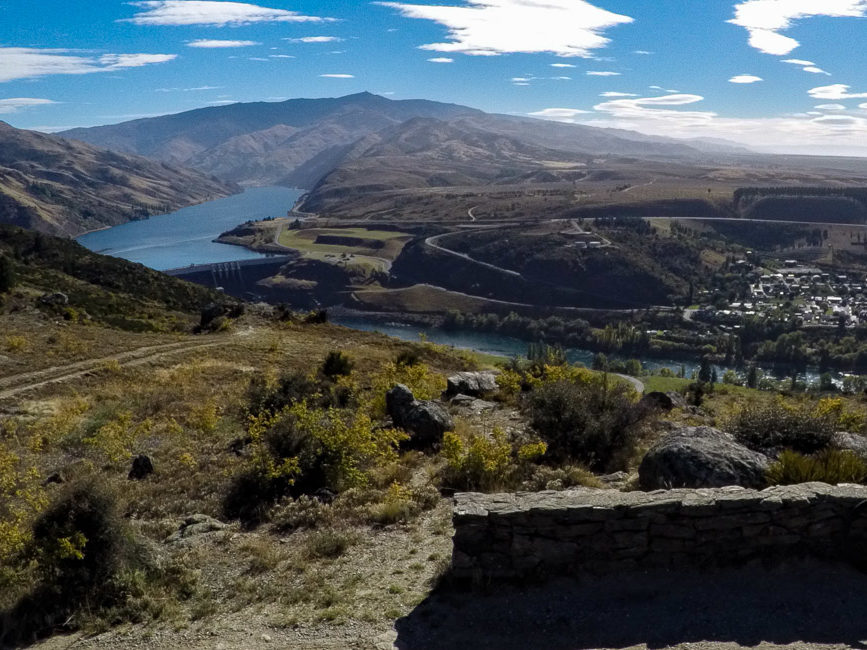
505 536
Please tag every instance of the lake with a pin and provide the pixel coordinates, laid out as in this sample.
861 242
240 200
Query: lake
185 237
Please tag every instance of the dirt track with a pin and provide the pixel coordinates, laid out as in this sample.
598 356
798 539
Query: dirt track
13 385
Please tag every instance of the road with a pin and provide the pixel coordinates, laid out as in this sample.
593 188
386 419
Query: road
14 385
432 242
636 383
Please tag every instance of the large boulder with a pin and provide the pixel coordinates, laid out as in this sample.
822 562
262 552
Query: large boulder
699 457
425 421
851 442
475 384
659 401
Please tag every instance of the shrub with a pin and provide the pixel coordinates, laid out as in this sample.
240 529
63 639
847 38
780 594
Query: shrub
419 378
831 466
774 424
407 358
80 549
337 364
486 463
302 449
587 420
327 544
80 540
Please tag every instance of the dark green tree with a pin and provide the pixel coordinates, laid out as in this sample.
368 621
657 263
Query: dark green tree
7 274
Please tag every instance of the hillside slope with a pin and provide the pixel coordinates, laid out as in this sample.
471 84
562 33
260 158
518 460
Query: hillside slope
97 288
62 187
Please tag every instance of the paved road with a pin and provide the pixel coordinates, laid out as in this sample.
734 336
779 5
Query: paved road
432 242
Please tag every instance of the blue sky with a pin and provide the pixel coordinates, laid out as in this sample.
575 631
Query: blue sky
784 75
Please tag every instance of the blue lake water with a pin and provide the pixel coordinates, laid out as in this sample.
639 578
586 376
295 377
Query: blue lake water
185 237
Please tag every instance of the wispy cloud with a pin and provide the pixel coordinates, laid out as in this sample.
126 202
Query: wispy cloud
602 73
643 52
335 75
15 104
31 63
745 79
560 114
494 27
211 43
441 59
674 116
765 19
315 39
831 107
562 65
807 66
612 93
213 13
188 90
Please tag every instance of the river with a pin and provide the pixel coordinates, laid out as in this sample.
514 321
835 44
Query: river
185 237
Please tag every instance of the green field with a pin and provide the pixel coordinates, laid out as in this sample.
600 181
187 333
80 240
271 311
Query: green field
385 244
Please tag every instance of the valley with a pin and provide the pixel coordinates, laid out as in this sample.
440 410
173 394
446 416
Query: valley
259 408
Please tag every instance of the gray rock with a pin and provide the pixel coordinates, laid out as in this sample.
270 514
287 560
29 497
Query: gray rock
663 401
425 421
475 384
699 457
195 525
473 404
57 298
850 442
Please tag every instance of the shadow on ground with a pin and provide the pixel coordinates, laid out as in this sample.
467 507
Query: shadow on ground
806 604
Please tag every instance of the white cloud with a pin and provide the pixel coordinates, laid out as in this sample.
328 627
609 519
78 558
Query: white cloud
280 56
562 65
188 90
672 115
494 27
612 93
441 59
15 104
643 52
212 13
210 43
834 92
765 19
863 106
816 70
745 79
831 107
602 73
315 39
801 62
560 114
30 63
337 76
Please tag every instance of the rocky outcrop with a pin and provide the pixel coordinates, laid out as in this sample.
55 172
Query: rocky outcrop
530 535
696 457
659 401
851 442
195 525
475 384
425 421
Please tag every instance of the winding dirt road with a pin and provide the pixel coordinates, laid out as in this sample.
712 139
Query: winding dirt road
13 385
